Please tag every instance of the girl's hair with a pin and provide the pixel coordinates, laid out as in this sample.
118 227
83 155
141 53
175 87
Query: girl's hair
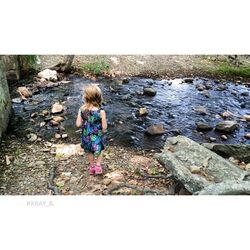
92 96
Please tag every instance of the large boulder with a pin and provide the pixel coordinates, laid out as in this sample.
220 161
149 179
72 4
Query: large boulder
48 74
237 151
196 166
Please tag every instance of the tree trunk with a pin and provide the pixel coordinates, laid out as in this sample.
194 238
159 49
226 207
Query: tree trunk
68 63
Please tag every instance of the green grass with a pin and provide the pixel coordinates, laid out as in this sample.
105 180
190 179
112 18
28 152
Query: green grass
231 71
97 68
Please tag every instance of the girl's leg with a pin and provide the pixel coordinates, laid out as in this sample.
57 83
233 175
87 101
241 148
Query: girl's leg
90 159
99 160
98 168
91 163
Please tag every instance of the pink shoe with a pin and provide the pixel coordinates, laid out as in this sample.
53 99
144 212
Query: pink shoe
98 169
91 169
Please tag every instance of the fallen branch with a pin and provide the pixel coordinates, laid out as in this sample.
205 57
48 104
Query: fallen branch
141 190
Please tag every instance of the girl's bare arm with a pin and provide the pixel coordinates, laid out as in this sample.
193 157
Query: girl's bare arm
104 120
79 119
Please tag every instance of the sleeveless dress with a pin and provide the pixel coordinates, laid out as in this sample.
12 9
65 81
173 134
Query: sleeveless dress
93 139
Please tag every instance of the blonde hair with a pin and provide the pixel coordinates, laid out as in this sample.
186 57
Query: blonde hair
92 96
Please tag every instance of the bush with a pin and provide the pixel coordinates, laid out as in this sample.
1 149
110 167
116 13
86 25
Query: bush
97 68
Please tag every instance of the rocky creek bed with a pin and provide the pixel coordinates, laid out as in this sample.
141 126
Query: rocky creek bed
142 113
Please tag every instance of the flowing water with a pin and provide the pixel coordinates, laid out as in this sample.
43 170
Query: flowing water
173 106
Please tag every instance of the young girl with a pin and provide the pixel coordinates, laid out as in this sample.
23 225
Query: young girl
92 119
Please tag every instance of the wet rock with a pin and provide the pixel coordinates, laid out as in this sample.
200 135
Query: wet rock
206 93
54 123
245 93
17 100
32 137
143 111
227 126
238 151
49 75
126 97
126 80
242 104
33 115
212 139
149 91
188 80
52 84
247 135
224 137
226 114
201 110
42 124
200 87
58 119
157 129
24 92
176 131
184 153
234 92
45 112
220 87
203 126
246 117
57 108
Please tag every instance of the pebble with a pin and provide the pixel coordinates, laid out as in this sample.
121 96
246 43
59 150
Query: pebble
57 136
224 137
143 111
32 137
106 181
64 136
212 139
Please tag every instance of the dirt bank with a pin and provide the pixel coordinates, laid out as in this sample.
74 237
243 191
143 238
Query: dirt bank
167 66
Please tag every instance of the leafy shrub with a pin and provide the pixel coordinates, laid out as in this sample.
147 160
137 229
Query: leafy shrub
97 68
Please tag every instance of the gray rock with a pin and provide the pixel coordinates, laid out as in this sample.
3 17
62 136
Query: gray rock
245 93
181 155
188 80
227 126
203 126
157 129
201 110
237 151
149 91
227 188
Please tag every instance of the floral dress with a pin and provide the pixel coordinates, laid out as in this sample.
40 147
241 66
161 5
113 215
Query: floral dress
93 139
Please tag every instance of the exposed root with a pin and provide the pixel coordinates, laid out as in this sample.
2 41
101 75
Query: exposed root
141 190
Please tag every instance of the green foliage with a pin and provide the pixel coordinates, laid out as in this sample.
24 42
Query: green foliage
97 68
28 61
231 71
